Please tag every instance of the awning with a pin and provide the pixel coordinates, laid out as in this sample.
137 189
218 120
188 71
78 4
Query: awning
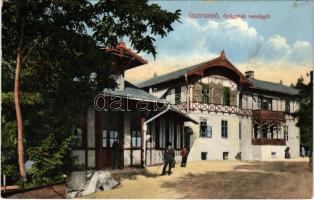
174 110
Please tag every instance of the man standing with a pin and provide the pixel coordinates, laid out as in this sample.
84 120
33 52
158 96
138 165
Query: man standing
117 151
287 154
168 159
184 154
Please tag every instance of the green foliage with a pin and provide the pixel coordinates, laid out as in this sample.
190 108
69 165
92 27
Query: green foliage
305 112
8 150
26 98
52 160
63 68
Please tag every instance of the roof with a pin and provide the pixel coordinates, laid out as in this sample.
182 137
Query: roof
198 70
188 118
274 87
134 93
168 77
220 61
122 52
171 109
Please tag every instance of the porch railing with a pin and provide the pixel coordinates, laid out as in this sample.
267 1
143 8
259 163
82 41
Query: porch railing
216 108
268 141
268 115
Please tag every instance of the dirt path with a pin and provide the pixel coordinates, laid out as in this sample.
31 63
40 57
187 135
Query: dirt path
217 179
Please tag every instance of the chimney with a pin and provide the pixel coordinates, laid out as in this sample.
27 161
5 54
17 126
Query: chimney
249 74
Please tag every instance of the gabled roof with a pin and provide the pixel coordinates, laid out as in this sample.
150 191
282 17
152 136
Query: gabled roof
273 87
187 117
124 53
134 93
198 70
171 109
224 62
167 77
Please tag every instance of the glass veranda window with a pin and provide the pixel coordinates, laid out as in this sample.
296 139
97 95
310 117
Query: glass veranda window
226 96
177 93
136 138
108 138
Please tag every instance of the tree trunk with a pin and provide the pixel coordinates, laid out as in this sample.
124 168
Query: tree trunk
20 148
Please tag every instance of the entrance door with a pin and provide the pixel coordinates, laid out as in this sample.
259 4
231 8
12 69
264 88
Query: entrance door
108 138
112 129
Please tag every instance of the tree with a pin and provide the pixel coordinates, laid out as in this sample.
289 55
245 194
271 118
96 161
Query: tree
54 46
305 112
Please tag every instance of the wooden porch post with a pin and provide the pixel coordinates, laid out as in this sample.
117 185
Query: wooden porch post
175 135
187 98
121 136
98 140
84 134
142 141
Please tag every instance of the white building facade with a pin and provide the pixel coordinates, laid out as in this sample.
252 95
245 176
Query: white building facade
238 116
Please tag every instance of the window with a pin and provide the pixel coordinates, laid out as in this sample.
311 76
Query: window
136 129
171 135
240 130
225 155
264 131
205 93
108 138
104 138
205 131
273 131
287 106
177 93
203 126
162 133
136 138
204 155
178 133
113 137
226 96
264 103
224 129
257 131
209 131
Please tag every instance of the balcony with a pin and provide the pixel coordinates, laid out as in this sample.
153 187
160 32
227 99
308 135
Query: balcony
268 115
266 141
215 108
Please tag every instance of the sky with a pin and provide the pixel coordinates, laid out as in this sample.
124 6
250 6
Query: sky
276 48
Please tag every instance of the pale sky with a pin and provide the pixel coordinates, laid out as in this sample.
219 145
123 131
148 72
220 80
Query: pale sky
278 48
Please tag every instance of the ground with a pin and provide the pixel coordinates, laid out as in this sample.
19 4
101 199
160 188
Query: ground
216 179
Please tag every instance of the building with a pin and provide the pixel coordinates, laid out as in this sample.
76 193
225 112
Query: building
144 123
236 113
